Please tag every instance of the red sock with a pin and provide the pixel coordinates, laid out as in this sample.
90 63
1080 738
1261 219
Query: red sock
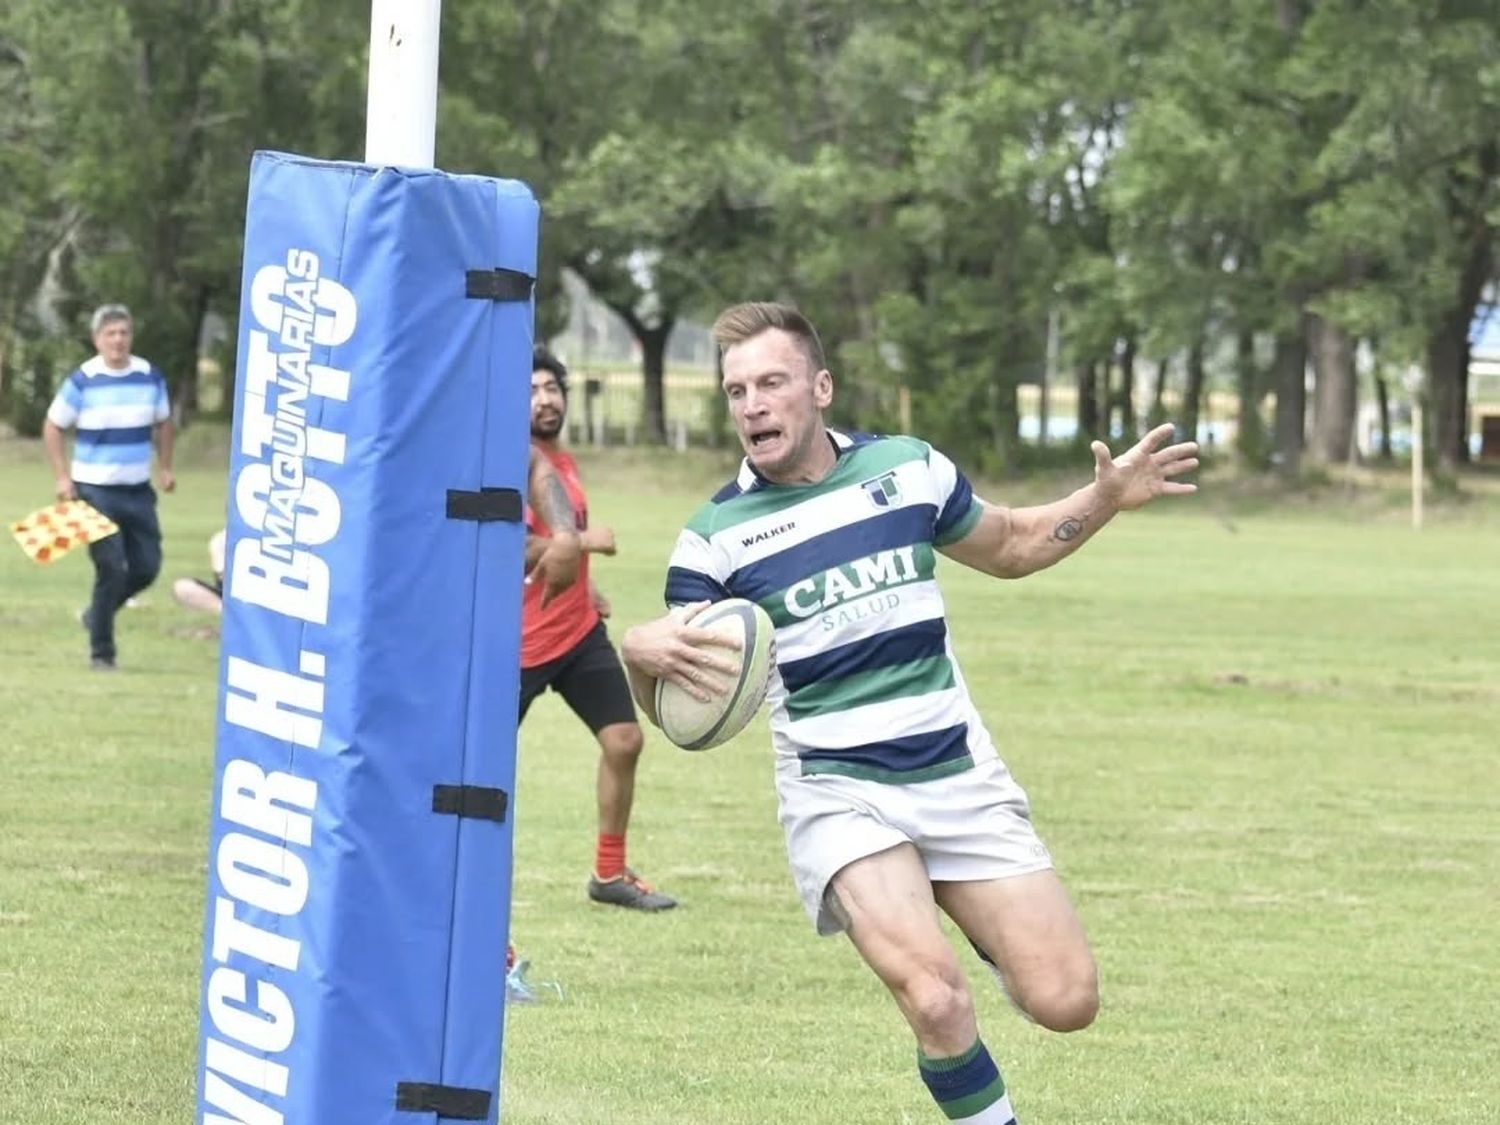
609 859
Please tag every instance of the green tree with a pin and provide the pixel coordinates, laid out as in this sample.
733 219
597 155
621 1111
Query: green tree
621 117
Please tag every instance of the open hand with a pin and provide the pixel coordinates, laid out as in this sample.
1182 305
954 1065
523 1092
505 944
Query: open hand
1144 471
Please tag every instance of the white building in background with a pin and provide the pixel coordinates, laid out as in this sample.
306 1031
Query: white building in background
1484 382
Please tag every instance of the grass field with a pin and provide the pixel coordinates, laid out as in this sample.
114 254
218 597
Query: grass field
1262 740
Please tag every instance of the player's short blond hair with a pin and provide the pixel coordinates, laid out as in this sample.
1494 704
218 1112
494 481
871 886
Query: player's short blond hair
739 323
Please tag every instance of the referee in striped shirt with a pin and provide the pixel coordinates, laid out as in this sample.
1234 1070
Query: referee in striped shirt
117 404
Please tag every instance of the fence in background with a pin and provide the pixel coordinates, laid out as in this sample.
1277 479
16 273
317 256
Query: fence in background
604 408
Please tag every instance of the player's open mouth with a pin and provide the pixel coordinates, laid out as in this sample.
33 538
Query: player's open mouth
765 437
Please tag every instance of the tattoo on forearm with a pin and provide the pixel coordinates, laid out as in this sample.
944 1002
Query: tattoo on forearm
556 508
1070 528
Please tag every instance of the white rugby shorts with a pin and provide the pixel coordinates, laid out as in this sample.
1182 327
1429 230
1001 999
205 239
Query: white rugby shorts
970 826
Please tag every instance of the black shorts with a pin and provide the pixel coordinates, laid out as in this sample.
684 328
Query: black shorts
590 679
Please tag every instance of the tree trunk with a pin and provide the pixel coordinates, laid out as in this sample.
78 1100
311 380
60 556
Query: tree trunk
1049 380
1158 412
1289 15
1289 371
1383 404
1250 439
1448 376
653 371
1088 400
185 408
1334 395
1005 417
1192 398
653 341
1126 400
1448 363
1470 201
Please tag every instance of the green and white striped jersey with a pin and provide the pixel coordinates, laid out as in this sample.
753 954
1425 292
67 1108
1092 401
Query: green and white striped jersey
865 681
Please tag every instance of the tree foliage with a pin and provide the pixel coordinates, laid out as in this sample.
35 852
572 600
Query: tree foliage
1216 192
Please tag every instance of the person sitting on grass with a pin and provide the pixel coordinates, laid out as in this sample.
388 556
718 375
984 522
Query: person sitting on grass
198 594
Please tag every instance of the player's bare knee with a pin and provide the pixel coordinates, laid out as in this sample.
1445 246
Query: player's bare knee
937 1004
622 741
1068 1004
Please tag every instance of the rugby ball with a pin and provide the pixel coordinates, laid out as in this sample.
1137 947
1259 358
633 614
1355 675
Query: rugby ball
695 725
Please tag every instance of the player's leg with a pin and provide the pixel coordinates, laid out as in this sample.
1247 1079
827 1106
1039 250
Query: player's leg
856 870
620 747
142 535
993 876
111 577
593 684
534 681
196 594
885 901
1026 927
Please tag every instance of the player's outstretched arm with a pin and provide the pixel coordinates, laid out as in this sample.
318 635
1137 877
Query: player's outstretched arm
674 649
1015 542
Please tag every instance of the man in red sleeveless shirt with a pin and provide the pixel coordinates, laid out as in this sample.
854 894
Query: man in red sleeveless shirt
564 646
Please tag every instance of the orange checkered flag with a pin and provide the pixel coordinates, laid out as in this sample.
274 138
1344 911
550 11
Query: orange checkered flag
51 532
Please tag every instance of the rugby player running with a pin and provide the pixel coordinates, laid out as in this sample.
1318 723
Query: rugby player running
893 800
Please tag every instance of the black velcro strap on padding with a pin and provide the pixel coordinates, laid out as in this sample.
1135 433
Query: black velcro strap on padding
446 1101
471 800
498 285
486 505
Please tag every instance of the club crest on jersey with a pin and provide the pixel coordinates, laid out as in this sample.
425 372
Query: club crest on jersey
883 491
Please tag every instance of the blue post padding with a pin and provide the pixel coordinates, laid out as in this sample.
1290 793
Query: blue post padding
355 938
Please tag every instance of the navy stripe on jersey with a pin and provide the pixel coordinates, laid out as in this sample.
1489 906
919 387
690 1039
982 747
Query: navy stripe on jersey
115 435
130 378
960 500
684 585
917 641
896 756
881 532
728 492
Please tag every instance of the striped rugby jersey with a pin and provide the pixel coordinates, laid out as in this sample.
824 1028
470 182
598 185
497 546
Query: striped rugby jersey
865 682
114 412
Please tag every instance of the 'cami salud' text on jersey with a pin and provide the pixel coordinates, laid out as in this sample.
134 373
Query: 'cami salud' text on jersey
865 682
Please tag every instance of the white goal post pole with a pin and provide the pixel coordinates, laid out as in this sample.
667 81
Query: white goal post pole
401 105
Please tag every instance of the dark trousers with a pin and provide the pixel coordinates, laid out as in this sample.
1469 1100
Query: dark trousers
124 563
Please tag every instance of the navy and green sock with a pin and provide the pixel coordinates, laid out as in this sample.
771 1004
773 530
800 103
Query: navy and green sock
968 1087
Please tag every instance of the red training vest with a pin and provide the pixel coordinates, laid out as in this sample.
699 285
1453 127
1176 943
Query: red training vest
548 633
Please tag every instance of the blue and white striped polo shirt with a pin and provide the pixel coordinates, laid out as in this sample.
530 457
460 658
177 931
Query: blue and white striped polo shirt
866 683
114 412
